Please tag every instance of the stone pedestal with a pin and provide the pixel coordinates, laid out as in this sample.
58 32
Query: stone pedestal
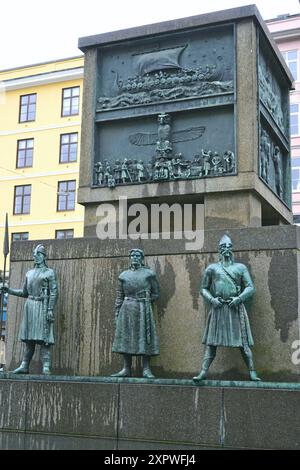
232 210
64 413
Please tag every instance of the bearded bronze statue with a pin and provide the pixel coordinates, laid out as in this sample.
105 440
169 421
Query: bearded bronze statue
135 333
226 286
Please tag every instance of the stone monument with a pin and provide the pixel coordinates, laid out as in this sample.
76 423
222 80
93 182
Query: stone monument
199 111
192 111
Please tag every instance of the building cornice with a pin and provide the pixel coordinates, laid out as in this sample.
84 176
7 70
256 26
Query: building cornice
24 176
32 130
43 79
42 222
286 34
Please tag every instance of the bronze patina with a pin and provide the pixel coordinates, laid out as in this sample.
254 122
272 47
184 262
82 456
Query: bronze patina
135 333
226 286
40 291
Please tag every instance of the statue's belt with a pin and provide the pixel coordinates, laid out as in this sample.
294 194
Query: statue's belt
136 298
32 297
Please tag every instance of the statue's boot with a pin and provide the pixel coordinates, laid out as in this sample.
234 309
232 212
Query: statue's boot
248 358
126 371
46 359
209 355
147 373
254 376
27 356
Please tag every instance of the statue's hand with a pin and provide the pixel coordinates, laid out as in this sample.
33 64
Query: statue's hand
4 288
215 302
50 316
235 301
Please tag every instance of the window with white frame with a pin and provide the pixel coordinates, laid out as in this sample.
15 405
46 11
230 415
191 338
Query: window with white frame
294 112
291 58
295 173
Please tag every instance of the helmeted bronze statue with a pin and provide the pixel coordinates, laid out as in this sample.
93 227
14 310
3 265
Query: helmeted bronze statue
40 290
135 333
226 286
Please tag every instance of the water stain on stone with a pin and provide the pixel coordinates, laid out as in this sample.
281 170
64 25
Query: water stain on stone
282 283
193 269
166 279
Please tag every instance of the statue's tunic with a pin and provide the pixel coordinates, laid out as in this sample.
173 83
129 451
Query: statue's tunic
40 289
135 327
227 326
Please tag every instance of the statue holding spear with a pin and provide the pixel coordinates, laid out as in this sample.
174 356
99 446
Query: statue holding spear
5 253
40 291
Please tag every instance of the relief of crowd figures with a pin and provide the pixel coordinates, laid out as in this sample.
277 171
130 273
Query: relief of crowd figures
166 86
271 98
271 165
161 168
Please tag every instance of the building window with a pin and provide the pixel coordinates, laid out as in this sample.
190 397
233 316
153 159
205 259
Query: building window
68 148
64 234
66 195
24 153
295 174
22 199
291 58
19 236
27 108
294 118
70 101
296 219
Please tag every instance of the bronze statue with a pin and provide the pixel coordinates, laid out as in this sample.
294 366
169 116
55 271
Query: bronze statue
276 156
40 290
226 286
135 333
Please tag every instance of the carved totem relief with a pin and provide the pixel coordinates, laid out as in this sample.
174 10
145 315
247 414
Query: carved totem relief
165 164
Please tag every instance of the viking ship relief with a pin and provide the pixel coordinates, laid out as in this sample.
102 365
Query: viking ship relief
160 77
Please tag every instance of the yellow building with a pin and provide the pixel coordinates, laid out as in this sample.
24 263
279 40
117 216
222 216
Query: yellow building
40 117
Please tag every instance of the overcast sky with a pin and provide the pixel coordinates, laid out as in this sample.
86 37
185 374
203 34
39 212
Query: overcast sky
33 31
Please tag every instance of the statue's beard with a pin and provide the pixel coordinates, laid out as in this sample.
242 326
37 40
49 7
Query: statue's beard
226 256
136 265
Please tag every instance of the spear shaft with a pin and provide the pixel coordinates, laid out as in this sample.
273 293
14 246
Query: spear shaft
5 253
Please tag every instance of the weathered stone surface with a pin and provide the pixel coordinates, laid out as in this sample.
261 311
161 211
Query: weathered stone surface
148 445
12 440
246 128
262 419
13 401
109 414
251 238
232 210
87 133
59 442
170 413
83 409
